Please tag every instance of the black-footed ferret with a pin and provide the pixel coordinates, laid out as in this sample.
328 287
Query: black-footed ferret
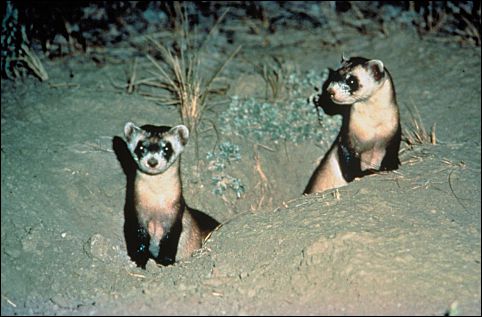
370 135
168 229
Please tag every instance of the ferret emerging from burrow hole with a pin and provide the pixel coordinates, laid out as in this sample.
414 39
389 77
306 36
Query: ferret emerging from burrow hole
362 91
168 230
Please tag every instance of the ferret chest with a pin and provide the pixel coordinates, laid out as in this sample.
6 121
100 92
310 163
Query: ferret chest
370 124
156 198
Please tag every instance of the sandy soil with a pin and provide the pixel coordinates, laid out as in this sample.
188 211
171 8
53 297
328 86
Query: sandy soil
405 242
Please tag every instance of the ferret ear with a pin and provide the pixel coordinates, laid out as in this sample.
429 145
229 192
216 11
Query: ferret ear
377 69
181 132
130 130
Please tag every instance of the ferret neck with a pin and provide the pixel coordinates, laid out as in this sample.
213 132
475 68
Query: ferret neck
171 177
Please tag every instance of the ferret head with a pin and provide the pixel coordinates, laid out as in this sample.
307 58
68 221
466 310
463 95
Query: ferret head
155 148
356 80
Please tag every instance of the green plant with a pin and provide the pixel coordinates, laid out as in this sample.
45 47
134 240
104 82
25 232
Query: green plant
294 119
226 154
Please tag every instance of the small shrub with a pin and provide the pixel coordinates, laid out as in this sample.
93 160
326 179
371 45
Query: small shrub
294 119
226 154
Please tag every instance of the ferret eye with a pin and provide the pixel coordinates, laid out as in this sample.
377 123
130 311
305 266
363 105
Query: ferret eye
167 150
352 82
139 151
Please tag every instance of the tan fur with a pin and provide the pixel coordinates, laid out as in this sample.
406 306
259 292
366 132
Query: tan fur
191 239
328 174
373 123
158 202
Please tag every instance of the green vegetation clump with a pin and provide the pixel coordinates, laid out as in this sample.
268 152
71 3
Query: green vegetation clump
226 154
294 118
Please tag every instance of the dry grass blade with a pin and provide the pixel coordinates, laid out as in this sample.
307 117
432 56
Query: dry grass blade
9 301
180 77
275 75
163 74
472 30
213 28
220 69
179 72
459 200
33 62
131 84
416 133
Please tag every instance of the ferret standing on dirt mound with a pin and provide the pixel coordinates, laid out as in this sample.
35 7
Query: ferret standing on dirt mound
369 139
167 226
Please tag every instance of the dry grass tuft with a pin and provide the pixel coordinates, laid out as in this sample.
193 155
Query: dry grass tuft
30 61
275 74
180 72
415 133
263 187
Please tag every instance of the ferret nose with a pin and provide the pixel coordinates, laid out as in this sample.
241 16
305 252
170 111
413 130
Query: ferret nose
152 162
